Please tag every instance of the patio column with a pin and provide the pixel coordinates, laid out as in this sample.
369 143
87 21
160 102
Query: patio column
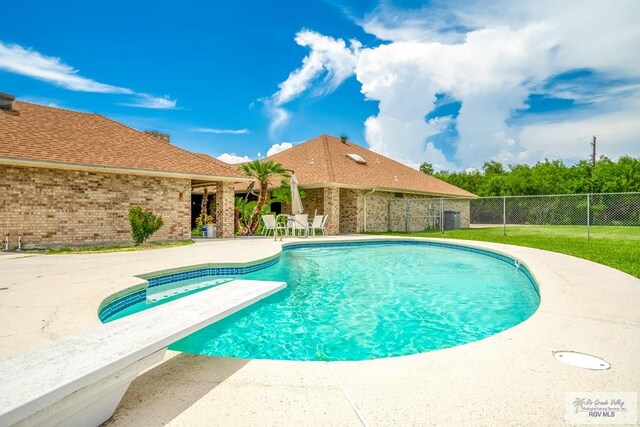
224 209
332 208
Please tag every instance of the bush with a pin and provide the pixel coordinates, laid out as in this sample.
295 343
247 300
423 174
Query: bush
143 224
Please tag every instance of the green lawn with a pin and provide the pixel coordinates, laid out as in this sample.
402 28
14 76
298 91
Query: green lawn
617 247
103 249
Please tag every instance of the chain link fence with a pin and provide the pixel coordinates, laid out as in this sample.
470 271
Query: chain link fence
585 210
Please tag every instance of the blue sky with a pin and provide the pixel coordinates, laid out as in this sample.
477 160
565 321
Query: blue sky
452 83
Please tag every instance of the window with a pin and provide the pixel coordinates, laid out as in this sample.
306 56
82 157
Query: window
356 158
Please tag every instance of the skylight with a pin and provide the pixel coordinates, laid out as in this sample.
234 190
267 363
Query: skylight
356 158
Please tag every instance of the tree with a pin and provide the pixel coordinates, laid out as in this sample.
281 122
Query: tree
493 168
427 168
263 172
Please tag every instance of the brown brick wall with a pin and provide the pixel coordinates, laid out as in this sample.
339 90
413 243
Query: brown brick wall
422 210
225 210
332 209
412 212
378 211
351 210
313 201
62 207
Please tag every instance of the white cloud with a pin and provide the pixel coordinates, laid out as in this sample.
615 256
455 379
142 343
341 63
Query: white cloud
491 56
328 56
276 148
149 101
569 137
233 158
16 59
222 131
27 62
278 118
433 23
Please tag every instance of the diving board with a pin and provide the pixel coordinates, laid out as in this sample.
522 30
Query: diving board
80 380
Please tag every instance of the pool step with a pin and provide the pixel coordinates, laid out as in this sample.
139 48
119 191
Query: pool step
161 292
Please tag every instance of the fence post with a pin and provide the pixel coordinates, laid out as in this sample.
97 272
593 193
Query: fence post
588 216
504 215
442 215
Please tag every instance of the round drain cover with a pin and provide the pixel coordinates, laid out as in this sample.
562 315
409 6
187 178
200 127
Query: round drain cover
581 360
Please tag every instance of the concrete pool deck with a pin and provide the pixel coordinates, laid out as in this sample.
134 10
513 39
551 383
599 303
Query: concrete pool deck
510 378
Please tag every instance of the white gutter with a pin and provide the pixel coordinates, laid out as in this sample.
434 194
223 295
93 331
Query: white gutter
365 208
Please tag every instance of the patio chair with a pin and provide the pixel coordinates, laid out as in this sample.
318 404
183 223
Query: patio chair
300 223
324 221
318 220
269 224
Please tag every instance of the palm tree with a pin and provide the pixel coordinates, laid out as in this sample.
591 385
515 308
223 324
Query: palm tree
579 403
262 171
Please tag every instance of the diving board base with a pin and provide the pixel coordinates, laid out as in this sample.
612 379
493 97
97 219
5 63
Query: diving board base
80 380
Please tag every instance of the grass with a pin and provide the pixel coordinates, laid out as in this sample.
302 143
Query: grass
106 249
617 247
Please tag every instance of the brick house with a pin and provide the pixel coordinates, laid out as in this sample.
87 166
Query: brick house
69 178
364 191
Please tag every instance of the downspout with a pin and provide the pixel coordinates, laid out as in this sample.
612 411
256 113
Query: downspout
365 208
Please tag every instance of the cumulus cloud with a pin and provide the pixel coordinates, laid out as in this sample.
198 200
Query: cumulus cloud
491 56
509 51
276 148
233 158
489 74
328 57
27 62
222 131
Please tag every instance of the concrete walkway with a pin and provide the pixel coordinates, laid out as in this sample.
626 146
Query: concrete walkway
507 379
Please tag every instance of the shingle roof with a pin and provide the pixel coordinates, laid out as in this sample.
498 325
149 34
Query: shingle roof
46 134
323 160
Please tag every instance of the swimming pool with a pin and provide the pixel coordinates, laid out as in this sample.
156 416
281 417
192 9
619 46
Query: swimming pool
360 301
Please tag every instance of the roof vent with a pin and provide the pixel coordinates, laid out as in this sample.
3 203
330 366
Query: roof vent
6 101
356 158
343 139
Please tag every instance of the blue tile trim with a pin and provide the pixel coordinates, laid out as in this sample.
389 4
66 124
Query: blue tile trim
210 272
121 303
136 297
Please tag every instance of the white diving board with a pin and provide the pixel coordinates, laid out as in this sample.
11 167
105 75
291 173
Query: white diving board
80 380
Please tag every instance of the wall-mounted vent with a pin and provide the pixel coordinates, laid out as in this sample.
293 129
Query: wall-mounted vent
356 158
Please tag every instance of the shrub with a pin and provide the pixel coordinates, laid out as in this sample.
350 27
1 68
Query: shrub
143 224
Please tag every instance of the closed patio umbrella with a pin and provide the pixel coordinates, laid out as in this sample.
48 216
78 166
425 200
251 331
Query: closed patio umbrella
296 202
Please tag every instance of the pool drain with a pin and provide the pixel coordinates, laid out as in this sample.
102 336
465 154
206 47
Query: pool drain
581 360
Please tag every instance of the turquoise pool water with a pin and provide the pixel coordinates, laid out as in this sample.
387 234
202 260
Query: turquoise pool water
369 301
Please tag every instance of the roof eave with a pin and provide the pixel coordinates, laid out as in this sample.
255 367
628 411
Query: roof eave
13 161
387 189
